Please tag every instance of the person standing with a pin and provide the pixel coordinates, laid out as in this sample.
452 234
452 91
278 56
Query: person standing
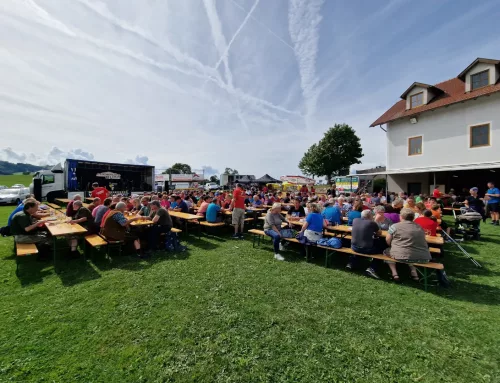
493 195
238 207
99 192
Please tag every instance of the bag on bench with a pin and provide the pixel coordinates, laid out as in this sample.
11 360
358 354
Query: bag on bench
288 233
334 243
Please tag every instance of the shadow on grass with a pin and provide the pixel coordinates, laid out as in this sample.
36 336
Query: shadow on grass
32 271
75 271
202 244
459 270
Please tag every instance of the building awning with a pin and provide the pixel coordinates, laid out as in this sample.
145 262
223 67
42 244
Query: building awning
432 169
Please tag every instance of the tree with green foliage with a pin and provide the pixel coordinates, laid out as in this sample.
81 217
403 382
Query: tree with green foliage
178 168
334 154
214 178
230 171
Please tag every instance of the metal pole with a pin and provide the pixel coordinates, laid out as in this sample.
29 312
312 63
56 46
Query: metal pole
434 180
386 188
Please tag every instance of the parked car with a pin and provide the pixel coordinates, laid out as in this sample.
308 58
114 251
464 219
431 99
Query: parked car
211 186
13 195
3 187
15 186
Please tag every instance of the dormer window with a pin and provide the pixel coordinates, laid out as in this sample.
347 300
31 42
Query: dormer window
416 100
478 80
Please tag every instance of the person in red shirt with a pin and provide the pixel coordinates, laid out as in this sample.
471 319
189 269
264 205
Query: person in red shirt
427 223
99 192
70 212
304 189
313 190
264 189
238 207
436 193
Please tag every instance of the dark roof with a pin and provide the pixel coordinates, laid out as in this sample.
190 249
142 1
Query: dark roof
244 180
461 76
372 170
421 85
266 178
451 92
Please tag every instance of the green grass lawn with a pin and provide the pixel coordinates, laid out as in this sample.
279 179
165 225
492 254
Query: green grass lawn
15 179
224 312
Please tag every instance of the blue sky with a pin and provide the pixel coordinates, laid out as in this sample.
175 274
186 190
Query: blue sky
245 84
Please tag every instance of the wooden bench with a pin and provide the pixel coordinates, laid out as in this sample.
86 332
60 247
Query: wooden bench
212 224
53 205
209 226
23 250
113 244
257 234
348 250
94 241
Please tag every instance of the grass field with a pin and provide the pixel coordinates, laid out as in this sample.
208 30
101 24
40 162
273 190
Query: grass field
15 179
224 312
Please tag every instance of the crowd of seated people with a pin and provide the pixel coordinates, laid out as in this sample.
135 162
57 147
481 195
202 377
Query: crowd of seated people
367 214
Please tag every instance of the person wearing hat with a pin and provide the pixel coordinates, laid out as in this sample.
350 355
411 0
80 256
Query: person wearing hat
473 201
331 212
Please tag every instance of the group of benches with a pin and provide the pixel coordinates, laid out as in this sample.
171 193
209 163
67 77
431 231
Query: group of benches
94 241
422 268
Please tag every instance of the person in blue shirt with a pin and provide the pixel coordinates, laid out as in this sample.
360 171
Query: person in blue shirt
181 205
493 196
313 227
357 208
19 208
256 202
332 213
212 211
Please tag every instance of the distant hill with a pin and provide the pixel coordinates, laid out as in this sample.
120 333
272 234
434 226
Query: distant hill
10 168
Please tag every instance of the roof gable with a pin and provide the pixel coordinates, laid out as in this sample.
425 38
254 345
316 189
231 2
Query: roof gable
446 93
462 75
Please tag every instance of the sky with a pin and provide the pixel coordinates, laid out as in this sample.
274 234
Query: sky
245 84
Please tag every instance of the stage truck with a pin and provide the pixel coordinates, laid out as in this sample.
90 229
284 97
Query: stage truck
77 177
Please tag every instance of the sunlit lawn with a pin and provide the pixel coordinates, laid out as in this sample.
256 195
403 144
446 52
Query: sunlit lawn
224 312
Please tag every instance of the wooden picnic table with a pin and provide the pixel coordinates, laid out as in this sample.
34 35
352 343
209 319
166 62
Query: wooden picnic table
186 217
383 233
62 229
90 199
63 200
141 222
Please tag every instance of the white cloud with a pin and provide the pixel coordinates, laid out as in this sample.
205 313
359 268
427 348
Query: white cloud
303 22
241 84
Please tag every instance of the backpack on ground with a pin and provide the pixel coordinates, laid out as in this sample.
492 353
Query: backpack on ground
172 242
5 231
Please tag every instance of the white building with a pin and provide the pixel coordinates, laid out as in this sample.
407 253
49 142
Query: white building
446 134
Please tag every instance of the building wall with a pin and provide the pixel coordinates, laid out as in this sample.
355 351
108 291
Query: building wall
445 136
399 182
494 73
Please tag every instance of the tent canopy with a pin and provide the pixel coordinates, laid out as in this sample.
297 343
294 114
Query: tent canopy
267 179
244 180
